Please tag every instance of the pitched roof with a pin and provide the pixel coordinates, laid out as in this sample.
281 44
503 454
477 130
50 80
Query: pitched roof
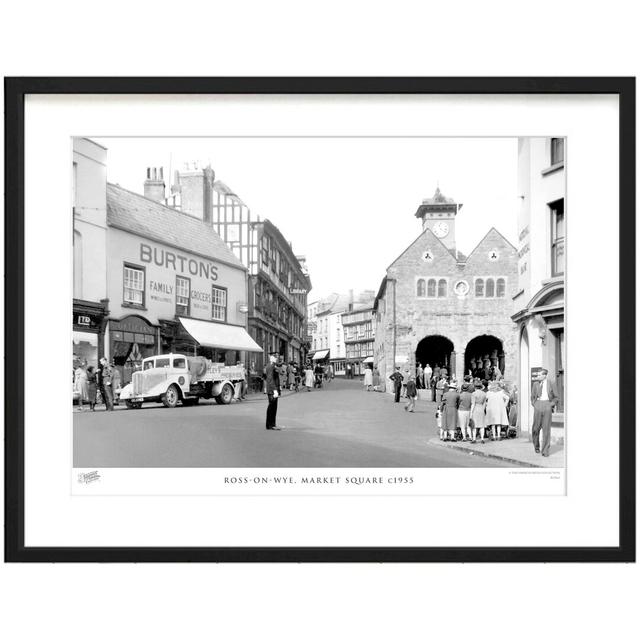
132 212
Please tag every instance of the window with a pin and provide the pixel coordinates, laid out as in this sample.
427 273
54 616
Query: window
148 364
421 289
557 238
491 288
133 285
557 150
219 304
257 292
479 288
183 295
500 288
431 288
265 251
179 363
162 363
442 288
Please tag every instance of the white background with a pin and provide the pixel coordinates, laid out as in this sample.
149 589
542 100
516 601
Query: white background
319 601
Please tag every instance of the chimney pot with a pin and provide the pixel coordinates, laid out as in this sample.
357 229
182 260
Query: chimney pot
161 175
148 173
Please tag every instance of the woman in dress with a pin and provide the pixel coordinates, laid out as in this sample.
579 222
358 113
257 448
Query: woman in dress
368 379
496 410
450 402
80 384
291 376
309 378
440 386
92 387
478 402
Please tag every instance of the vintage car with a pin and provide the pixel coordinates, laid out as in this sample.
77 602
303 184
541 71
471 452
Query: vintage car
172 378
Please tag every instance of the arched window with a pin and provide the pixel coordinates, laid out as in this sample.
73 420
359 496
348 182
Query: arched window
431 288
442 288
421 289
500 287
479 288
490 292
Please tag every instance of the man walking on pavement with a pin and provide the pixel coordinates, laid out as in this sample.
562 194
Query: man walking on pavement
543 398
397 379
273 391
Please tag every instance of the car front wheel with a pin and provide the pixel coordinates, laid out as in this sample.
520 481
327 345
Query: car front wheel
171 397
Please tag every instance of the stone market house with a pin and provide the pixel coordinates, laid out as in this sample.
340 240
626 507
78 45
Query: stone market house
437 306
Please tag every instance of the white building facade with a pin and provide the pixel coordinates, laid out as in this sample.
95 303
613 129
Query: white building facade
541 272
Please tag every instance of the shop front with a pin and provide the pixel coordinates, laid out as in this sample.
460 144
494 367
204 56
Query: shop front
131 339
88 328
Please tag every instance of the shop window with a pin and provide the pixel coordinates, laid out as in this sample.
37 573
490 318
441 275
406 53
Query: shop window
557 150
442 288
557 238
500 288
133 285
431 288
490 290
183 295
219 304
479 288
421 289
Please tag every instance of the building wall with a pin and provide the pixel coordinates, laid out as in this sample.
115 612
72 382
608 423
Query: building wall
458 318
89 219
160 280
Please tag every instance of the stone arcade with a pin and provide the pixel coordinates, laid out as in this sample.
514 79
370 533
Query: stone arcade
437 306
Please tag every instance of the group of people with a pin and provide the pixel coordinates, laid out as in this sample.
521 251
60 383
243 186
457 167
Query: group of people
294 376
476 406
91 384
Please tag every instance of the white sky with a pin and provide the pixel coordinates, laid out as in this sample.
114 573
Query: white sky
347 204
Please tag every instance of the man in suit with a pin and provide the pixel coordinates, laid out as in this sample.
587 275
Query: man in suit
544 397
272 375
397 379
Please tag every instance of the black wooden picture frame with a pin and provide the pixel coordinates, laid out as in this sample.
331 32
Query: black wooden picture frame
16 89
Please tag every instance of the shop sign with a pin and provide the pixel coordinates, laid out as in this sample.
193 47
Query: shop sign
86 321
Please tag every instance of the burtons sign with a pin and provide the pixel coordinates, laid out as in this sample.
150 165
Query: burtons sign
179 263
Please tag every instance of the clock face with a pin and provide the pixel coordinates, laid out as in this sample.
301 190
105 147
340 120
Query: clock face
441 229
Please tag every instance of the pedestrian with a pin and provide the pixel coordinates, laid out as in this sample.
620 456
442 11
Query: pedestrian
439 389
375 379
291 376
107 374
496 410
405 379
427 373
450 402
441 431
512 411
411 394
116 382
91 387
396 377
464 411
436 372
368 379
309 378
419 376
347 371
478 406
80 383
544 397
444 371
273 390
319 372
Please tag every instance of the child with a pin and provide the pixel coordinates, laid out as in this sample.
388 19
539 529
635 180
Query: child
411 394
439 423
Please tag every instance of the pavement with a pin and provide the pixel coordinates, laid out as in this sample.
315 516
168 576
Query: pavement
340 425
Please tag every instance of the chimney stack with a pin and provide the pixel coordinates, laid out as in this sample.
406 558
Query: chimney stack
154 185
196 190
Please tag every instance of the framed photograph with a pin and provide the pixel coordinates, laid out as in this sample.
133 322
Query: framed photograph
320 319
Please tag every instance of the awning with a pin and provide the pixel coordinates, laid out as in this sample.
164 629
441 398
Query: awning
368 360
320 355
219 336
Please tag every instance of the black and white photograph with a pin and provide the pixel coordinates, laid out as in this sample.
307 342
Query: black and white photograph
319 302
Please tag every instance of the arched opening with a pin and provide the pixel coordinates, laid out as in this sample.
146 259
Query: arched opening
482 352
435 350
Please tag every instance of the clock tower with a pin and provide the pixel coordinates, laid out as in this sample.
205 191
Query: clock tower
438 214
